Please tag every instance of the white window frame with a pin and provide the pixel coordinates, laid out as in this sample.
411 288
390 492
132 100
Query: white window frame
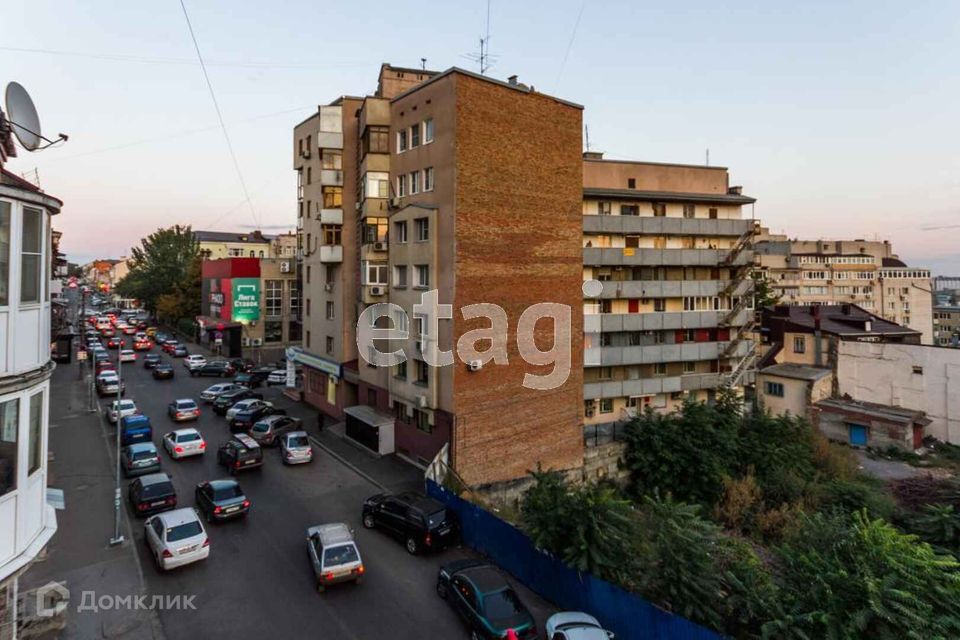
397 270
402 141
422 229
428 179
402 185
427 129
422 269
402 232
414 183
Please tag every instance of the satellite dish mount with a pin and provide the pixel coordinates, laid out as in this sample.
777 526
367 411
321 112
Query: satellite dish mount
23 120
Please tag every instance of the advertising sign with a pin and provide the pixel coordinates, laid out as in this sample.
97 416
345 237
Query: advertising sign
246 299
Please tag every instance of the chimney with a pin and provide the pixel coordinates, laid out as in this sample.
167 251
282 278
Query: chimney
593 155
512 80
735 190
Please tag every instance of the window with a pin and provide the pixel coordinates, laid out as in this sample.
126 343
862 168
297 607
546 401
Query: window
428 130
774 389
307 344
605 373
918 370
331 274
689 367
631 183
659 209
422 372
331 159
330 310
401 321
799 344
31 250
308 274
294 299
401 186
332 198
415 136
35 442
308 312
272 331
659 304
423 275
309 175
401 141
414 182
401 371
331 234
329 344
375 273
689 211
272 298
629 210
4 253
376 185
422 420
713 213
422 228
400 275
375 230
9 424
606 405
376 140
428 179
660 369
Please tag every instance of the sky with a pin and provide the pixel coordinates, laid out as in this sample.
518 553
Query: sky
839 117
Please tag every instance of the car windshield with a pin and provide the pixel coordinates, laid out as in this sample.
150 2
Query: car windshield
127 404
158 489
297 441
144 455
188 404
342 554
436 518
226 493
502 604
261 427
184 531
188 437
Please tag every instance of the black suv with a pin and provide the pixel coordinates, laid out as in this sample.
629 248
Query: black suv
421 522
219 368
240 452
152 494
226 400
244 420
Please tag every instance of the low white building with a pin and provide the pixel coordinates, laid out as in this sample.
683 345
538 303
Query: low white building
912 376
27 522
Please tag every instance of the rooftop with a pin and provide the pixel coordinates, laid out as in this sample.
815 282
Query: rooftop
796 371
883 412
667 196
837 319
253 237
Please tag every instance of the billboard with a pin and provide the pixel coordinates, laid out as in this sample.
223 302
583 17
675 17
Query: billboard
246 299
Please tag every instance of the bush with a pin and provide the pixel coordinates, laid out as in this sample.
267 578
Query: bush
739 504
850 496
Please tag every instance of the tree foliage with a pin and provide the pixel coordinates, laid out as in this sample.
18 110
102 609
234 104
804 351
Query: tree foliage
165 266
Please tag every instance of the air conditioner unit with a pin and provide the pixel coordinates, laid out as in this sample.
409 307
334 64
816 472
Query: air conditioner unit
245 342
589 411
377 290
328 286
256 342
379 246
305 154
475 365
421 401
394 203
285 266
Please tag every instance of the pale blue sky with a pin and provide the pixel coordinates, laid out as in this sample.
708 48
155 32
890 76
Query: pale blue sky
840 117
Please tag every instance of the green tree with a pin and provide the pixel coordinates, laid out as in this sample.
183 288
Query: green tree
763 294
160 265
938 524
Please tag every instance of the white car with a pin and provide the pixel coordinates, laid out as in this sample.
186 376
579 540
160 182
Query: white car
184 442
176 538
277 377
574 625
194 362
243 405
128 355
127 408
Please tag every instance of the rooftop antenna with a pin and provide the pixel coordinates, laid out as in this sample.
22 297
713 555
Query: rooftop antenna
586 129
423 63
484 57
708 156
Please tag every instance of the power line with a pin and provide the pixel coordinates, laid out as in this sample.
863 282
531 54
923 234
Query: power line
216 105
573 36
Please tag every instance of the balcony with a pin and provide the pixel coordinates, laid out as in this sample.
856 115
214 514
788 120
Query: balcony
331 253
673 288
665 226
637 257
650 386
331 216
610 322
329 140
376 207
685 352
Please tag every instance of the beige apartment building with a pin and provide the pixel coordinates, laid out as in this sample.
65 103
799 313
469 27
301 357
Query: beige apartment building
670 313
861 272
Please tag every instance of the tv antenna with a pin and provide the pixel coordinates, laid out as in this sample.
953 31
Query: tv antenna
586 129
484 59
23 120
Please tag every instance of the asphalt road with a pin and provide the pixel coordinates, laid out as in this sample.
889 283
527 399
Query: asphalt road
257 582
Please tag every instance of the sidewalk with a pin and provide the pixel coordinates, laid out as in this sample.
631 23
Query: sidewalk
79 555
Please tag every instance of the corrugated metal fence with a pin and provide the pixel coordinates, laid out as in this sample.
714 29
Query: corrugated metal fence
628 616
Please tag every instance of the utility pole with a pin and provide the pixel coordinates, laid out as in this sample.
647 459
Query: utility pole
117 536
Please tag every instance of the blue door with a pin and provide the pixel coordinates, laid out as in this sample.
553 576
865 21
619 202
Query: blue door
858 435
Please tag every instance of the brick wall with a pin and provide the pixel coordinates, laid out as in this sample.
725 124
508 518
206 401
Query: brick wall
518 233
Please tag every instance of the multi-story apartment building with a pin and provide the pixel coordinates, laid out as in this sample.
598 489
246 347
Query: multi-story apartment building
861 272
229 244
27 522
946 326
666 265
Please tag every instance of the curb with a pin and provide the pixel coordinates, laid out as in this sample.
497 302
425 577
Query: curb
349 465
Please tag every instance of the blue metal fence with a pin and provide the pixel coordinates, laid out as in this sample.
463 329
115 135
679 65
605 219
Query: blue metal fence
627 615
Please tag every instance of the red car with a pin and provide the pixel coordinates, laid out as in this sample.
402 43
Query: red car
105 365
108 333
170 345
115 343
142 345
129 330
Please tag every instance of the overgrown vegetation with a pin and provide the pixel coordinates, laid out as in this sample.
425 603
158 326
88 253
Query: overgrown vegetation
757 526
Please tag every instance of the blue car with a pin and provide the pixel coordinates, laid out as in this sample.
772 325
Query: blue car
135 429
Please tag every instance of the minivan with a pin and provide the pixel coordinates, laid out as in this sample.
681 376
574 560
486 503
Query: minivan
135 429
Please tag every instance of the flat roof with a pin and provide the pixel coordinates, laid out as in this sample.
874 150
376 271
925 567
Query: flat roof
796 371
659 164
670 196
874 410
369 415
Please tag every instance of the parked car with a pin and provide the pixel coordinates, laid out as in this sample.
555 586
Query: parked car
139 458
210 393
485 600
220 368
135 428
225 401
333 555
268 431
240 452
194 361
242 364
574 625
108 383
152 493
422 523
277 376
151 360
248 379
243 418
179 351
183 409
176 538
183 443
295 448
163 371
127 355
116 411
221 500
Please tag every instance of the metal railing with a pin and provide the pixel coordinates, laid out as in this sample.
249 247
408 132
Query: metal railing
595 435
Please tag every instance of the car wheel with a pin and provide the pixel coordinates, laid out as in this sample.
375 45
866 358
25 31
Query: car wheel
368 521
412 546
442 590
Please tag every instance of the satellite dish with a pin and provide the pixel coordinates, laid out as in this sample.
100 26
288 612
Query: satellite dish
23 116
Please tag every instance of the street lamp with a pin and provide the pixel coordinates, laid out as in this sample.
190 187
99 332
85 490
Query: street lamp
117 536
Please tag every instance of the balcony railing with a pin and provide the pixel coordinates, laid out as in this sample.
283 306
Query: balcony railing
646 257
650 386
658 321
653 354
613 289
665 226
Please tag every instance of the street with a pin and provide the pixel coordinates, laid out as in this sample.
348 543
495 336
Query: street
257 581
